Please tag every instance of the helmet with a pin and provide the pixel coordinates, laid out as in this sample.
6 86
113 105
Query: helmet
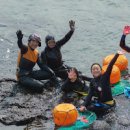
35 37
48 38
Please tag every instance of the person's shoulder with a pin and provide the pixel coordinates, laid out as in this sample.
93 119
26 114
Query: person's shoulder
44 51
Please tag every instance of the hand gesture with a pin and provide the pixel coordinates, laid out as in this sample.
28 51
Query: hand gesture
126 30
82 108
72 25
122 52
19 34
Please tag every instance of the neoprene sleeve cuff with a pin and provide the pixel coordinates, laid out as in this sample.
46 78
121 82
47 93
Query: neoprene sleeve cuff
123 37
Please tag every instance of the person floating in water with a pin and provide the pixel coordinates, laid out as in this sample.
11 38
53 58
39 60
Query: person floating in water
74 87
51 55
99 99
123 45
27 58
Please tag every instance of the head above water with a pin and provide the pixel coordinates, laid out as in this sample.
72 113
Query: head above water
75 71
73 74
96 70
50 41
34 41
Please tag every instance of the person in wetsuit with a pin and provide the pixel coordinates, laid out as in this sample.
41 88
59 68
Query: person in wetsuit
27 58
99 99
74 87
123 45
51 55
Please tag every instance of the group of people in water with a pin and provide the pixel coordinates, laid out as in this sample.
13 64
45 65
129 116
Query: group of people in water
98 95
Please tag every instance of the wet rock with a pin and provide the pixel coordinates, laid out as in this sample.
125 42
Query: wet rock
18 107
110 117
123 120
100 125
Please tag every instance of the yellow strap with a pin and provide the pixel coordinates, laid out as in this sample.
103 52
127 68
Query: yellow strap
109 102
82 93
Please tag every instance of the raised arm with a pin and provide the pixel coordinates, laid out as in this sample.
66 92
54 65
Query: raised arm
122 41
22 47
68 35
109 68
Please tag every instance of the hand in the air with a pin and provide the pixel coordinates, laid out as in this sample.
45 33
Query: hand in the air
72 25
122 52
126 30
19 34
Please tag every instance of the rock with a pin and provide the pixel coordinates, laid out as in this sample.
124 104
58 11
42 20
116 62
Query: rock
123 120
17 107
100 125
110 117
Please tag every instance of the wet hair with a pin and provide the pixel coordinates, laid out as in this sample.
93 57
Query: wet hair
76 71
96 64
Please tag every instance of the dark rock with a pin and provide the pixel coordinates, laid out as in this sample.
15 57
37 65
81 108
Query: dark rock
18 107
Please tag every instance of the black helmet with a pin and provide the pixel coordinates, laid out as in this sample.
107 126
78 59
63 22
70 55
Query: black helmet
35 37
48 38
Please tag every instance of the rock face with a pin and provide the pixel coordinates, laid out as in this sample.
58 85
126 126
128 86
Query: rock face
18 106
21 107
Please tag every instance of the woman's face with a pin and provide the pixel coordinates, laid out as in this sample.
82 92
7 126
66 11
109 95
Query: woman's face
33 44
96 71
72 75
51 43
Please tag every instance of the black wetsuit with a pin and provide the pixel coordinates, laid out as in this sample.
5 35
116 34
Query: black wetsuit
123 45
100 90
74 90
52 57
28 77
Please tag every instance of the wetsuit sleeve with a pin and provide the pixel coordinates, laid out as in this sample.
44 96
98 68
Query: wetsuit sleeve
44 66
83 77
22 47
89 97
123 45
109 68
65 39
66 87
43 57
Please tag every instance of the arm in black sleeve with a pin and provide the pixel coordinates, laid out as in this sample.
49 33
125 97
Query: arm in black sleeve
83 77
89 97
66 87
123 45
65 39
44 66
43 57
22 47
109 68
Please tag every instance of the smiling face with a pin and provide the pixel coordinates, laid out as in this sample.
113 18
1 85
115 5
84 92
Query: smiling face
51 44
96 70
33 44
